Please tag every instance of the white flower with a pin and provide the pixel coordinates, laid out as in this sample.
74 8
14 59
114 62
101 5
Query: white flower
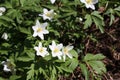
39 29
8 67
2 9
80 19
66 52
41 51
5 36
89 3
52 1
56 49
47 14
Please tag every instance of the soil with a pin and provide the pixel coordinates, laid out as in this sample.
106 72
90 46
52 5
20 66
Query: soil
108 44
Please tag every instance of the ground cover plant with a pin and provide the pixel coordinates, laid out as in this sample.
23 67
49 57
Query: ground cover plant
59 39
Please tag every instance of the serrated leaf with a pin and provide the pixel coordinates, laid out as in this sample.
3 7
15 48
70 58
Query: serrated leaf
117 9
73 64
112 18
5 18
99 57
97 66
24 59
89 57
22 2
14 77
24 30
88 21
98 20
84 71
30 73
74 53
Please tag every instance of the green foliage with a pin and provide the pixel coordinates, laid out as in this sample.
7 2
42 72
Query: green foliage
96 18
95 65
65 27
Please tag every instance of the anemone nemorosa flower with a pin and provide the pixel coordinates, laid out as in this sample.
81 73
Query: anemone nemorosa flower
56 49
47 14
66 51
41 51
39 30
89 3
2 9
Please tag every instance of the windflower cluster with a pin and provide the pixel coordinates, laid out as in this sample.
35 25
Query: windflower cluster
57 50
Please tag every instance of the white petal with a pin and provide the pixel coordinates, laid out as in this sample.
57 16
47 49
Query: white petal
38 23
44 25
40 44
83 1
64 57
38 53
53 54
94 1
52 1
41 36
45 17
5 36
35 34
40 15
53 43
69 47
36 48
60 46
2 9
1 14
45 10
69 55
34 28
6 68
87 5
45 31
59 57
92 7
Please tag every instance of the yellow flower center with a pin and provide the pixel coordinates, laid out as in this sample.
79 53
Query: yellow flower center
56 50
9 66
48 14
41 50
88 1
65 50
39 29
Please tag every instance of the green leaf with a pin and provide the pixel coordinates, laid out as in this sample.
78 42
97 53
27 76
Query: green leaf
24 59
42 71
99 57
97 66
88 21
74 64
22 2
30 73
74 53
98 20
84 71
112 18
24 30
89 57
5 18
117 9
14 77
